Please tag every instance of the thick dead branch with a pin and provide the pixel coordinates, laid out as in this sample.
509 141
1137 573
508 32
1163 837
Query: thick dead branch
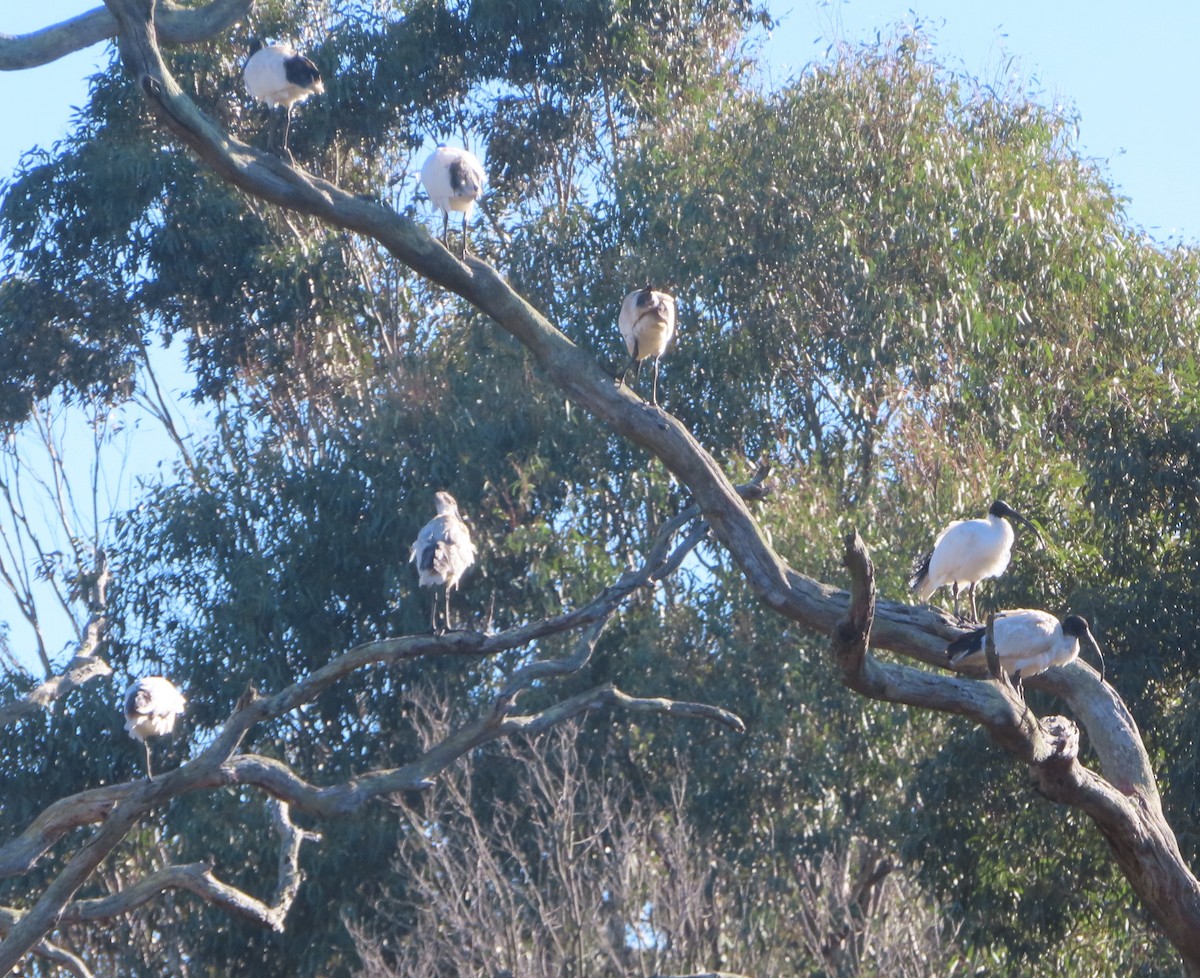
917 632
1133 823
1130 820
19 854
177 24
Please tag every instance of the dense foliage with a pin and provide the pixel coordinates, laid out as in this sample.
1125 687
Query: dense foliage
907 290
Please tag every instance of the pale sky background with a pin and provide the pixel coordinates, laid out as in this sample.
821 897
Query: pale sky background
1127 69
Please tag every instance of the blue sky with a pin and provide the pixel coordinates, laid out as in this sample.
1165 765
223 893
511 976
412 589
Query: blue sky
1129 75
1127 68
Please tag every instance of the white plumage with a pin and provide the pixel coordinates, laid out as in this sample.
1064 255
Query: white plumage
152 705
443 551
967 552
1027 643
647 323
454 179
277 75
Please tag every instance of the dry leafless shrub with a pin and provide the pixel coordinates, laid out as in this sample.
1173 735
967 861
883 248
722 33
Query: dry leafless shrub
581 877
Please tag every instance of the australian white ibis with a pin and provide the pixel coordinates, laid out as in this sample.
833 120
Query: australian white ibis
1027 643
647 322
152 705
277 75
966 552
454 179
443 551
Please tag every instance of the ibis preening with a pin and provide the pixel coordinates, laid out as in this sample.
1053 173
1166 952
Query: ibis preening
152 705
454 179
966 552
647 323
1027 643
277 75
442 552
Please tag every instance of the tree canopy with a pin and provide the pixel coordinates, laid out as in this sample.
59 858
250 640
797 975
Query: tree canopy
902 291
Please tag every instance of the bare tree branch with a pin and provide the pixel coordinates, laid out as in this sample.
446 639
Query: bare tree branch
45 950
1131 820
86 664
177 24
119 807
918 633
198 878
1124 803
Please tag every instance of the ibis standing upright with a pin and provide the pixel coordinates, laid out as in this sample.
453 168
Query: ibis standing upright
454 179
647 322
152 705
966 552
1027 643
443 551
277 75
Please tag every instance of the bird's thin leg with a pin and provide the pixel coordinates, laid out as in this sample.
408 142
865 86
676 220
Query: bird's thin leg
433 613
149 772
287 125
270 127
624 373
466 232
954 591
446 229
633 364
654 388
971 591
1019 688
448 626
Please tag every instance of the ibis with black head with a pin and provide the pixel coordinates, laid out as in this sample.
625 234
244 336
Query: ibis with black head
967 552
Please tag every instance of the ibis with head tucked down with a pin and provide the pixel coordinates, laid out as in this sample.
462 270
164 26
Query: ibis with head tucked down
442 552
454 179
647 323
152 705
277 75
1027 643
967 552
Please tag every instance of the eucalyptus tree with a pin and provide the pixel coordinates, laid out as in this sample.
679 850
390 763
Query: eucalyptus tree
900 287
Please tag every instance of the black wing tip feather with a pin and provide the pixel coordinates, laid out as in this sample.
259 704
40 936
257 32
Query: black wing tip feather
920 570
966 645
425 558
301 71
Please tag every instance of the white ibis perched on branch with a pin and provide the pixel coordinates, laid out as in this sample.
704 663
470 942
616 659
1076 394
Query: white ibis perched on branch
1027 643
277 75
152 705
647 322
966 552
454 179
443 551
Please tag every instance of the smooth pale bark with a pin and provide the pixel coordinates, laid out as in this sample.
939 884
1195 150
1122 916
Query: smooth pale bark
1123 801
1127 812
118 808
176 25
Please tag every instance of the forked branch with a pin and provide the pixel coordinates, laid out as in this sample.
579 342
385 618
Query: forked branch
86 664
1131 820
118 808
